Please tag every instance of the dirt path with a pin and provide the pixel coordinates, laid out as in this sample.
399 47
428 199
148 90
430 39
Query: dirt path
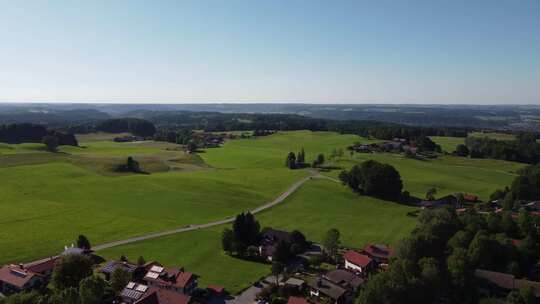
279 199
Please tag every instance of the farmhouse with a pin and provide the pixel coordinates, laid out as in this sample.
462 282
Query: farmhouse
15 278
357 262
270 238
175 279
43 267
344 278
378 252
111 266
135 293
321 288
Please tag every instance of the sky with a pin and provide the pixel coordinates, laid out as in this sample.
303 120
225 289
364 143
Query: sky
432 51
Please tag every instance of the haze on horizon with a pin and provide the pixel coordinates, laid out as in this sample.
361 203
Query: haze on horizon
421 52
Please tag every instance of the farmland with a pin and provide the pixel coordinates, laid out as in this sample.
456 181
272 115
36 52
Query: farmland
50 198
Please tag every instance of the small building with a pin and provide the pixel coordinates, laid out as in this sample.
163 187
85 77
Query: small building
378 252
344 278
216 290
357 262
163 296
175 279
15 278
43 267
108 269
270 238
133 292
296 284
322 288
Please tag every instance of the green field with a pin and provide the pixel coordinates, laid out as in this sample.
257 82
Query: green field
447 143
49 198
318 206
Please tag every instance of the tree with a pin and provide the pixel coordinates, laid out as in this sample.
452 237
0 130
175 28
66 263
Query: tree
374 178
526 223
277 270
227 240
290 162
252 251
67 296
92 290
83 242
282 253
508 224
459 268
141 261
298 239
430 194
246 229
70 269
301 158
119 279
319 161
461 239
508 202
331 242
514 297
462 150
51 143
191 147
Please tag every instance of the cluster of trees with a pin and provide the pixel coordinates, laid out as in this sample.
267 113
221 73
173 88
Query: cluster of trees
244 237
374 178
526 187
442 253
524 149
131 165
24 133
181 136
136 126
425 144
294 161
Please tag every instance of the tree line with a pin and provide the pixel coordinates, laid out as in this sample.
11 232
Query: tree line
136 126
523 149
441 254
31 133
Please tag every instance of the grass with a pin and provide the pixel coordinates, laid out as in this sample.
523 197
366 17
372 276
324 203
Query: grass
319 205
199 252
49 198
494 135
447 143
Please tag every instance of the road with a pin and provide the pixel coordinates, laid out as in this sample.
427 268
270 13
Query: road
293 188
279 199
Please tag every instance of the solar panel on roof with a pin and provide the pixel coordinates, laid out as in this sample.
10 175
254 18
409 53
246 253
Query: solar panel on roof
156 268
152 275
141 288
132 294
130 285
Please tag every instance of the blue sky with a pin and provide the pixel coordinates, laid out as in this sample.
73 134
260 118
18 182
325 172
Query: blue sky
481 52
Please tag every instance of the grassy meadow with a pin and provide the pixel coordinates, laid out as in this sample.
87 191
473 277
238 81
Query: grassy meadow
49 198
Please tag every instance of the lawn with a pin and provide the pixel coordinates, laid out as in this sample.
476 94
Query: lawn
318 206
448 174
199 252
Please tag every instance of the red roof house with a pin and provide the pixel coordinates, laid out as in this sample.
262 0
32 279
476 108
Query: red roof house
378 252
297 300
357 262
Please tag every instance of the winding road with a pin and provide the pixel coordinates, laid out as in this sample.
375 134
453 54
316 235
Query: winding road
293 188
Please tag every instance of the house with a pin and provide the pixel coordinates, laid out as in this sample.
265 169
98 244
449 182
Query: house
297 300
296 284
175 279
357 262
322 288
506 282
163 296
15 278
270 238
216 290
111 266
379 253
43 267
344 278
135 293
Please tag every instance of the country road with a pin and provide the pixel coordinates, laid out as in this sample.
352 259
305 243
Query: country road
293 188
